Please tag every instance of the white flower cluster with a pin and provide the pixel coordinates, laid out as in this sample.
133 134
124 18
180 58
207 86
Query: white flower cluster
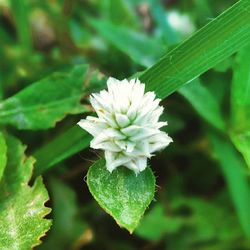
127 126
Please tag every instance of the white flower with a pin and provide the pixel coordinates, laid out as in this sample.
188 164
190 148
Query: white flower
127 126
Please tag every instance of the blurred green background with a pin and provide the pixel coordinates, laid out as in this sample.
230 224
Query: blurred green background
202 180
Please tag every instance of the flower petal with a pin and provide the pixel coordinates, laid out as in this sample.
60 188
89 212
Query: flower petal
114 160
106 145
159 142
132 165
141 163
93 128
122 120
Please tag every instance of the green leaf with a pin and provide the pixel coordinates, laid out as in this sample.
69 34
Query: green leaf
204 103
67 226
156 223
240 104
138 46
22 207
61 147
3 155
202 221
69 142
216 41
121 193
235 174
45 102
196 217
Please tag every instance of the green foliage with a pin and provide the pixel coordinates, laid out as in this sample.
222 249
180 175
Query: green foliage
3 155
191 58
66 144
231 164
202 189
139 47
213 43
67 225
121 193
20 10
45 102
204 103
120 8
242 142
240 104
240 100
22 209
198 219
159 14
235 175
156 224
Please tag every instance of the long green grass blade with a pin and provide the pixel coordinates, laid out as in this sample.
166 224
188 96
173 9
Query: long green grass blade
216 41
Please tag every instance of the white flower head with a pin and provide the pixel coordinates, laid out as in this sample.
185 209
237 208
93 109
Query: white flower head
127 127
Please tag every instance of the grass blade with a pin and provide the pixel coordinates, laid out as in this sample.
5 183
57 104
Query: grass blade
234 173
68 143
216 41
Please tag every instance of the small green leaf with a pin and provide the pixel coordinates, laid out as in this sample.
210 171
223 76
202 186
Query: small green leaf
22 207
121 193
3 155
45 102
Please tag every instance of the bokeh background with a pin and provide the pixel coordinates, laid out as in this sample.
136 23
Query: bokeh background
193 206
